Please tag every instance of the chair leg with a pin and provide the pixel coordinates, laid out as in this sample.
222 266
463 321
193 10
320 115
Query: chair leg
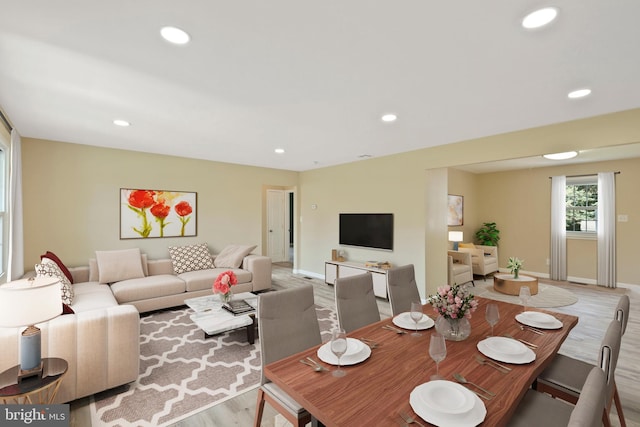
259 408
618 403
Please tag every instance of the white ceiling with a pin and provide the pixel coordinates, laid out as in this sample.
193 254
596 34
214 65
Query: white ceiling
310 77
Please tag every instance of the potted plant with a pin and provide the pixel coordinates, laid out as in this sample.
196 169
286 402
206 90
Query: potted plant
488 234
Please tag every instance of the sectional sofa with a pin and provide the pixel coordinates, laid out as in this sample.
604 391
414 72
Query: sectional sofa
99 337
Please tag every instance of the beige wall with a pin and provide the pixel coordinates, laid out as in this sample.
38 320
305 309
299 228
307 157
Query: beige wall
71 199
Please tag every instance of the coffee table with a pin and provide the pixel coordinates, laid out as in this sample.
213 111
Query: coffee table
213 319
506 284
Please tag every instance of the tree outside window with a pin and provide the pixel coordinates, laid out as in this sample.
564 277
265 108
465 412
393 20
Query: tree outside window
582 207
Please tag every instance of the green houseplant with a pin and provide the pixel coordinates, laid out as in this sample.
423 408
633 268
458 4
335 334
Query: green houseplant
488 234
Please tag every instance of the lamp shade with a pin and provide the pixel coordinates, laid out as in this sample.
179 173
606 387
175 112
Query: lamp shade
29 301
455 236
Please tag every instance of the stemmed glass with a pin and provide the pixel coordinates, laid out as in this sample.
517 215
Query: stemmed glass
338 347
492 314
416 316
437 351
525 296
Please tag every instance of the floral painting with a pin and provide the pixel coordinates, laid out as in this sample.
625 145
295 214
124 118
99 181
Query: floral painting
156 213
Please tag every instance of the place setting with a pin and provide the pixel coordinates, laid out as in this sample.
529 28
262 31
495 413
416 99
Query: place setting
414 320
343 351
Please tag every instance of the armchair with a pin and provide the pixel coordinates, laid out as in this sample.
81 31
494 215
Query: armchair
460 268
484 259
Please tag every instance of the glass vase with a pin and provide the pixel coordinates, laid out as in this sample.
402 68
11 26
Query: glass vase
225 298
515 274
453 329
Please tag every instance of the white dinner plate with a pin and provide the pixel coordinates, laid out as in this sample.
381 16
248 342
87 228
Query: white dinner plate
538 320
495 348
356 352
404 321
472 417
446 397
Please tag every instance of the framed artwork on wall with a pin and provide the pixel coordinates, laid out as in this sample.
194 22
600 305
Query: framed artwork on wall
157 213
456 209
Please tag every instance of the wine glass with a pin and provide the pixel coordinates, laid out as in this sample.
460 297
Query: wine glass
437 351
416 316
338 347
525 296
492 314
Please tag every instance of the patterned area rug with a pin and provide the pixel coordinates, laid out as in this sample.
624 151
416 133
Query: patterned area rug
548 295
182 373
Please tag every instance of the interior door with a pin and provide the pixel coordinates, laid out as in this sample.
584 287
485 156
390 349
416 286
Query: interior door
277 238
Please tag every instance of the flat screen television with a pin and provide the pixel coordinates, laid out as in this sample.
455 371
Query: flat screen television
368 230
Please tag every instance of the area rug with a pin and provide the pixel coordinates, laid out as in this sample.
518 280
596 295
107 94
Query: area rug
548 295
182 373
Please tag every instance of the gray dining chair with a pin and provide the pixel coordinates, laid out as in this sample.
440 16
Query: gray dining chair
564 377
287 324
402 288
622 312
355 302
539 409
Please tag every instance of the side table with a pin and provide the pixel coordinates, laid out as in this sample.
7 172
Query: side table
33 390
506 284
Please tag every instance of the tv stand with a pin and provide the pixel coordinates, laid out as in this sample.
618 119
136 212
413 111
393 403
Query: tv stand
336 269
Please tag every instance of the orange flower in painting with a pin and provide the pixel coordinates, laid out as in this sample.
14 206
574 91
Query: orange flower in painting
183 208
160 210
142 199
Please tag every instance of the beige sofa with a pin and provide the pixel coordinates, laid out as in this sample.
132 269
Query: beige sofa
101 339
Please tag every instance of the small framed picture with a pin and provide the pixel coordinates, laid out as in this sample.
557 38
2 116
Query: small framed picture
456 210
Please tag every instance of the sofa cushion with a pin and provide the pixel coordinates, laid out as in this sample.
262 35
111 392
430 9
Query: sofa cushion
114 266
48 268
93 267
203 279
147 288
190 258
92 296
232 256
53 257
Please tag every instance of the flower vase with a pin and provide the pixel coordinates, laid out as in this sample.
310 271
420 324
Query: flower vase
453 329
515 273
225 297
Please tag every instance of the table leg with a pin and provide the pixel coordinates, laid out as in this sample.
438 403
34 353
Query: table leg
251 330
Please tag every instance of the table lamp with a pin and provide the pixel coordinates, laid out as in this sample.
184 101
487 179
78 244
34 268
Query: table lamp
26 302
455 237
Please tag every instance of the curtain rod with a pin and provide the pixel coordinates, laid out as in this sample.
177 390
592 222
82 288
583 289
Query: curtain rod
5 122
587 174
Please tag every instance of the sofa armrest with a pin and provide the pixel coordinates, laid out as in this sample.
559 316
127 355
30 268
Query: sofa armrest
260 268
460 257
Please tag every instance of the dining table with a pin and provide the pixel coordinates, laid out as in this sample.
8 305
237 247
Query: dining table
375 391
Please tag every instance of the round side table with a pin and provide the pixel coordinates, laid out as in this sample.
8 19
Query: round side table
506 284
33 390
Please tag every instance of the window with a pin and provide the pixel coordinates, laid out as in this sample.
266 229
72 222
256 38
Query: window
582 206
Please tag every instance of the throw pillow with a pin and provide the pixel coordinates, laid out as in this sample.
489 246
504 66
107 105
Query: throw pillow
114 266
48 268
66 309
93 268
190 258
467 245
53 257
232 256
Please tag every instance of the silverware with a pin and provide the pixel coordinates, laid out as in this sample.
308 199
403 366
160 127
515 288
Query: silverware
463 380
409 419
498 367
370 343
315 368
531 329
527 343
391 328
322 368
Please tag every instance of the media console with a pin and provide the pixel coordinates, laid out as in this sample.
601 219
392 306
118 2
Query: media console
336 269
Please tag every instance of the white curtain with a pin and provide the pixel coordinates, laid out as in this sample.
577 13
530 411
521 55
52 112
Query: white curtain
606 229
558 228
15 261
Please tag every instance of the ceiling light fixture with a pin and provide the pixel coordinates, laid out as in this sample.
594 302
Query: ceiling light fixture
279 150
540 18
580 93
121 123
175 35
561 156
389 118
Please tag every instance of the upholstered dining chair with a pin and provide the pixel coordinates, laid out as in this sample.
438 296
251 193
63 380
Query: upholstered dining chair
287 324
539 409
564 377
355 301
402 288
622 312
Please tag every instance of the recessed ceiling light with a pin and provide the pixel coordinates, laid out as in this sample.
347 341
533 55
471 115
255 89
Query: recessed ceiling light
540 18
120 122
279 150
580 93
364 156
561 156
389 118
175 35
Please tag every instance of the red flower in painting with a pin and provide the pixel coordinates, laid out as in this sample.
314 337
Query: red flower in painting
142 199
160 210
183 208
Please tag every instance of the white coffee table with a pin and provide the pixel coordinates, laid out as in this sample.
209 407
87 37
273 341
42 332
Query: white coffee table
213 319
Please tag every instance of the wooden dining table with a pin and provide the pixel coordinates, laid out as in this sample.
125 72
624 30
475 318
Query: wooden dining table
373 392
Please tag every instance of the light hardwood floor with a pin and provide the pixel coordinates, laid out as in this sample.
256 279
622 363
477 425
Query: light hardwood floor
595 308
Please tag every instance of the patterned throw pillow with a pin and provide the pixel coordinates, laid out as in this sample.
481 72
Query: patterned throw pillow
48 268
190 258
